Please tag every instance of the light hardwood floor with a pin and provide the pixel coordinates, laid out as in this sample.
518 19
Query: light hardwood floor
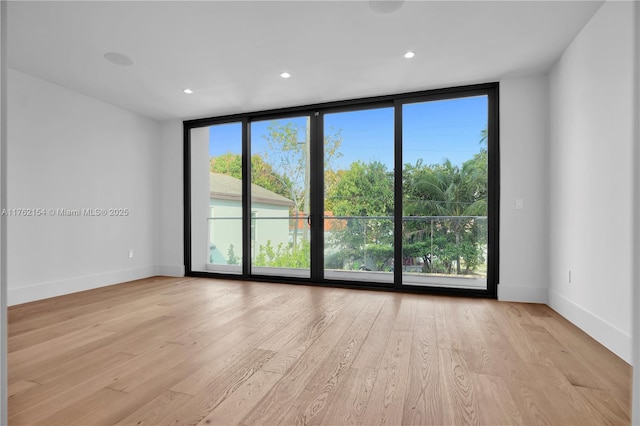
198 351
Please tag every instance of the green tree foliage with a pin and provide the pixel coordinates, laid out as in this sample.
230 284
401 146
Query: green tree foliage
364 190
283 169
232 259
262 173
332 144
382 255
447 190
287 153
284 256
453 197
227 164
446 200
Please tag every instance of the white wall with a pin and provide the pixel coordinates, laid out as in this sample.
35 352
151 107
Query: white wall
523 175
224 233
591 163
274 231
171 200
636 215
69 151
3 221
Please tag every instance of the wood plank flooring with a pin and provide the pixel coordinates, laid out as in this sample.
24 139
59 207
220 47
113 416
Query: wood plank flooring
192 351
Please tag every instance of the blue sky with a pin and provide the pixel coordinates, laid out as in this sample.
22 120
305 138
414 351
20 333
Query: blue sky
432 131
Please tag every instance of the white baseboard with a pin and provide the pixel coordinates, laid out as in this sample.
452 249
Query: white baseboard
18 295
520 293
614 339
171 270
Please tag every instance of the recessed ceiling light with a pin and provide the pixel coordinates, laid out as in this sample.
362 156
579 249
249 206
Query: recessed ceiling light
118 59
188 91
285 75
409 55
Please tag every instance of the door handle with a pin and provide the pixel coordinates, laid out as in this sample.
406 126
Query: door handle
309 220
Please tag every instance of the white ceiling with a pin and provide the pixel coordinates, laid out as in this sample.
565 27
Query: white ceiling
231 53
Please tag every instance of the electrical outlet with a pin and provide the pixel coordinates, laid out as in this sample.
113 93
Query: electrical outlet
130 253
519 204
569 276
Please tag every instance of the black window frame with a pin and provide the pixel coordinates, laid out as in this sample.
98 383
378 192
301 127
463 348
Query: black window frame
316 113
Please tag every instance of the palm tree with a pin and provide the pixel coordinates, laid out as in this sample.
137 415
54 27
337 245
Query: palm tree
450 191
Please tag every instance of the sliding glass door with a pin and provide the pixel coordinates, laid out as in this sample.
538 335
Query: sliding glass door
358 195
280 197
395 192
216 213
444 193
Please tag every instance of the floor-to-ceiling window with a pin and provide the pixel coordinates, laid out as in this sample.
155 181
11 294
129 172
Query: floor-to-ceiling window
394 192
280 197
444 192
216 214
358 195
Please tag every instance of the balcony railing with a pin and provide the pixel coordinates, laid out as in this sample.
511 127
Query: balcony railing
436 250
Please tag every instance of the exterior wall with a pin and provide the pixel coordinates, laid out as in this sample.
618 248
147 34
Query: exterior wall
274 230
225 232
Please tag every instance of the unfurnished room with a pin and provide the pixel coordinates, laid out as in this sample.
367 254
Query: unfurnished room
320 212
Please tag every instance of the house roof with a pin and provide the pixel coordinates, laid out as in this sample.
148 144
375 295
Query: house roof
225 187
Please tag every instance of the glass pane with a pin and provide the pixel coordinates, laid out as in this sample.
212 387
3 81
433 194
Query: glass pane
280 237
358 182
216 198
445 193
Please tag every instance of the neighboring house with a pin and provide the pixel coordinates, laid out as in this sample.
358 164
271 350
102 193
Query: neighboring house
269 214
301 226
